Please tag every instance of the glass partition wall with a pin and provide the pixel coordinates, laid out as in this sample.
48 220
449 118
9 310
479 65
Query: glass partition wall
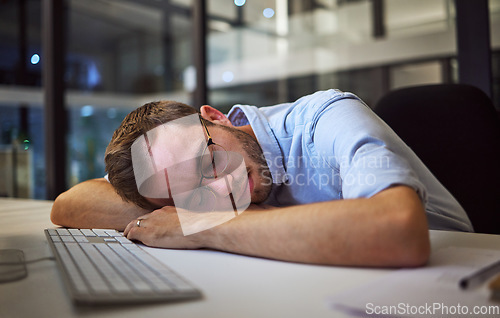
121 54
265 52
21 123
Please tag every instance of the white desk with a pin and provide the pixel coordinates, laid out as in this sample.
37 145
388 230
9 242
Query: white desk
232 285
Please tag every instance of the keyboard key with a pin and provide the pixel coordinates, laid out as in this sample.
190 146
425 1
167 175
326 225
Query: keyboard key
123 240
81 239
88 232
75 232
62 232
113 233
67 238
100 232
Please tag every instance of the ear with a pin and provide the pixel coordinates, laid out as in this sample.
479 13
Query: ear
214 115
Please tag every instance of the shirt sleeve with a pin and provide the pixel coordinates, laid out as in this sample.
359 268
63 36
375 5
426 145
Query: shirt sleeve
368 156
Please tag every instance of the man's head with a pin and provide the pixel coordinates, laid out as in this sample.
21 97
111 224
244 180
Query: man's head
118 156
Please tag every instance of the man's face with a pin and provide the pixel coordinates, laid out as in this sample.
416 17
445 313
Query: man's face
179 149
259 176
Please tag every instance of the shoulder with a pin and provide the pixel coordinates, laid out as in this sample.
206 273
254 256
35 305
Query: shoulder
306 104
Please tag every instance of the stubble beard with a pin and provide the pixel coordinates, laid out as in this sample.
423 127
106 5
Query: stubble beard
262 187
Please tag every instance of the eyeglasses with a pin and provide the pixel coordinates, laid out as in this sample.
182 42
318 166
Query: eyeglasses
214 158
213 163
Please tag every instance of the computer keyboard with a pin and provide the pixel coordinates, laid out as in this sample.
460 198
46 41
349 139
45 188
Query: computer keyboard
104 267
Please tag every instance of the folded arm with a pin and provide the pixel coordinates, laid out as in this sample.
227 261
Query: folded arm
388 229
93 204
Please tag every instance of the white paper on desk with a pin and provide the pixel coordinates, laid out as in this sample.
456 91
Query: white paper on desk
430 291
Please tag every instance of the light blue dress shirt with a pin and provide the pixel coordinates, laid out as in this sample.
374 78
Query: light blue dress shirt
330 146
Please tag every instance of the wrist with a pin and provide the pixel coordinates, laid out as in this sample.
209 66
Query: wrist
206 238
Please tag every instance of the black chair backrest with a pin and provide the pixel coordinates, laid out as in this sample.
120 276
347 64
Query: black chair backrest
455 131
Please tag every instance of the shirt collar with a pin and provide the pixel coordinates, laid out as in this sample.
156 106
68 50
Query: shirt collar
241 115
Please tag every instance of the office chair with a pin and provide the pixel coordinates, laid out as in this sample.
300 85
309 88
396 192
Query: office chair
455 131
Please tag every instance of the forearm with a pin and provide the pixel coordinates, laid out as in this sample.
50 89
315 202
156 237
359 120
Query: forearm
93 204
379 231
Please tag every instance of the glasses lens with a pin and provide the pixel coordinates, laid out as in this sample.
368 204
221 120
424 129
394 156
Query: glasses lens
201 200
214 161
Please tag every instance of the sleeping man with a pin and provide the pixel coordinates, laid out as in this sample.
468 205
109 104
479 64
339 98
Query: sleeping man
322 180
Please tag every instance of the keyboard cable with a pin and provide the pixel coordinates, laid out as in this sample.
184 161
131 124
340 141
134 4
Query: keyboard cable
47 258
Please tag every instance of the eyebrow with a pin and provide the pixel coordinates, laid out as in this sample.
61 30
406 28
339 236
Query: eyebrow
150 152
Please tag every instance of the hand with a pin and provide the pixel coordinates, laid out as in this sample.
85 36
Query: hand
161 228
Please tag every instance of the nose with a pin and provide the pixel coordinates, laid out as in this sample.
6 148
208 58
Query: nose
221 186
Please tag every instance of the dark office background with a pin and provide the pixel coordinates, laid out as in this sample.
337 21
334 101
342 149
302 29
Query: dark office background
81 66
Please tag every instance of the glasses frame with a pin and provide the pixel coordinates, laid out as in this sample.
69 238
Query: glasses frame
210 142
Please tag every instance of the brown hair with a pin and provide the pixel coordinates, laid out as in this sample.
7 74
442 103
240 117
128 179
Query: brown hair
118 157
